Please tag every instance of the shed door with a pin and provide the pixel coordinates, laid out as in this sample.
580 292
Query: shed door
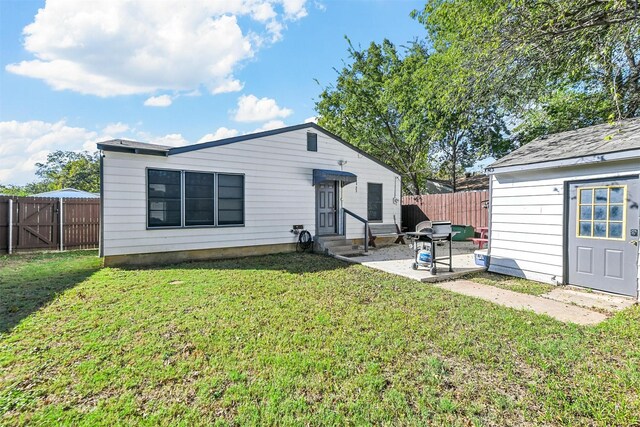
603 235
326 207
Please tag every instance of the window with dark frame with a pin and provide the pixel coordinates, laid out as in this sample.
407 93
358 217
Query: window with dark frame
312 141
164 193
172 192
199 199
230 199
374 202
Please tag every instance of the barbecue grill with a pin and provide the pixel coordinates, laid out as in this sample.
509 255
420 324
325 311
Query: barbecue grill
440 231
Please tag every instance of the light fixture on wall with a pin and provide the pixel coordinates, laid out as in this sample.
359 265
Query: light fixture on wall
342 163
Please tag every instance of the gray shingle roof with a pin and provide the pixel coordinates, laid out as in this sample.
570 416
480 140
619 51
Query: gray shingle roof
589 141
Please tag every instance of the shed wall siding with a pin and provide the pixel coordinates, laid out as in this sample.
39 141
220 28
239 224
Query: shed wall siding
278 193
527 226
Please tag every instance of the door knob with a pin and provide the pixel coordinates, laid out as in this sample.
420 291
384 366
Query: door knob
634 242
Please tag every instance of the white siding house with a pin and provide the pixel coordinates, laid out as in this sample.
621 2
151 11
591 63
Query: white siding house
564 209
244 192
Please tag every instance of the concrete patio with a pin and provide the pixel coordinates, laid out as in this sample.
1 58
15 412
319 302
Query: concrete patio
397 259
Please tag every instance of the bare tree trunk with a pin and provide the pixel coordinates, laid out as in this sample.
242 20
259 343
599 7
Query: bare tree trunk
454 162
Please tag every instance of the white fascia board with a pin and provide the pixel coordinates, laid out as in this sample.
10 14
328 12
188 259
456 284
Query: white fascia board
576 161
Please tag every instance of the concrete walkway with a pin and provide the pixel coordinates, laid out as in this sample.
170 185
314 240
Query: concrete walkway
556 309
563 303
590 299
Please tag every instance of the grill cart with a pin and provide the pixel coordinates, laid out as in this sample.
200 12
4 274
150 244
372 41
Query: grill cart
423 243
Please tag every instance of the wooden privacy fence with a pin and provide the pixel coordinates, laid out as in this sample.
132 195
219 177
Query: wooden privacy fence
44 223
464 208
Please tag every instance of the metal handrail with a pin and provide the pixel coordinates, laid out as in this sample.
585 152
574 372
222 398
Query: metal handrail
359 218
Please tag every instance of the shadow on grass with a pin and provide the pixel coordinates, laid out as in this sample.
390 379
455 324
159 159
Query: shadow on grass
30 281
294 263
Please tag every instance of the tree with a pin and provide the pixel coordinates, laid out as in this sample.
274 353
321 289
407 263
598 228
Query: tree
63 169
68 169
373 105
394 107
464 127
561 110
25 190
524 51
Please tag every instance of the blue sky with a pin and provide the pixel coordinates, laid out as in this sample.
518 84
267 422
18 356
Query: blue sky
172 72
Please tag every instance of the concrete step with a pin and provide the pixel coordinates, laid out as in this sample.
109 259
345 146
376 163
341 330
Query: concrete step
342 249
329 238
334 243
348 254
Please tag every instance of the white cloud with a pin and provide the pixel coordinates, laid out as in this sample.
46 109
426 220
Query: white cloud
294 9
272 124
172 139
158 101
252 109
220 133
115 128
263 12
23 144
123 47
312 119
228 86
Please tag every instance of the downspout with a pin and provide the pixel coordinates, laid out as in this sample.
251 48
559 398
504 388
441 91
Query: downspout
61 220
101 236
490 217
10 218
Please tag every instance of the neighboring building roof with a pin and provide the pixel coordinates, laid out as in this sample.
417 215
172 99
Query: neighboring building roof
590 141
467 183
163 150
69 193
437 186
473 183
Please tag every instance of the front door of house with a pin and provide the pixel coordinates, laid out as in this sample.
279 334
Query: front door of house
326 207
603 235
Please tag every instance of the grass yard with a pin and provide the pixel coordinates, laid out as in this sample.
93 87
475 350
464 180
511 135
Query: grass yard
293 340
515 284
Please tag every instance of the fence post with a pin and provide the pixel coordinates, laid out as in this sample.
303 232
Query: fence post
9 249
61 219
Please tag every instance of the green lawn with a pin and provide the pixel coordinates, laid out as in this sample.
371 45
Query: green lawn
515 284
293 340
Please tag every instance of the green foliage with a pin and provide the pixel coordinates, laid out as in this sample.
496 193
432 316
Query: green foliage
374 105
63 169
562 110
68 169
294 339
24 190
521 50
398 107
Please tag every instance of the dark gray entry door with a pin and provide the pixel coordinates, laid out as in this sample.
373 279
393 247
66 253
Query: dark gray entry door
326 207
603 235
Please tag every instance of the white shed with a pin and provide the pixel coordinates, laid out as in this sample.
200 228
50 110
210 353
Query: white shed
564 209
238 196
